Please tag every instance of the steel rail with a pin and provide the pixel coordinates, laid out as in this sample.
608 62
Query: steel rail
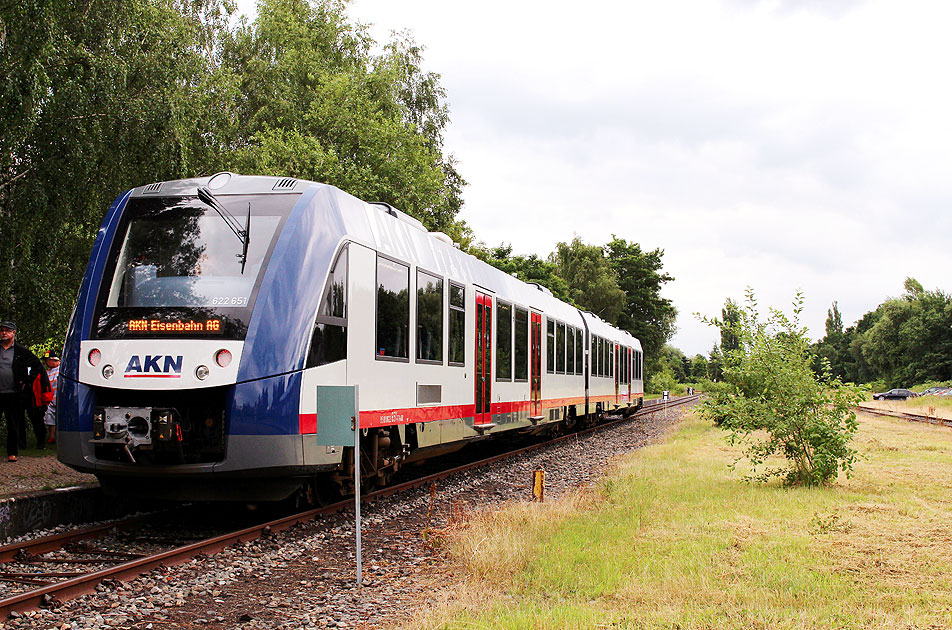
86 583
53 542
912 417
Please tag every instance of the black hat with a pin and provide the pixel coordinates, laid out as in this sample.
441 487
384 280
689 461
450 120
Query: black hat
9 325
51 355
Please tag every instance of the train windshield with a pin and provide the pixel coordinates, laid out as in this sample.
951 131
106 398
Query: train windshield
179 269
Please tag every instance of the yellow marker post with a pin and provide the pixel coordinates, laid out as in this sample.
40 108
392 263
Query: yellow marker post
538 485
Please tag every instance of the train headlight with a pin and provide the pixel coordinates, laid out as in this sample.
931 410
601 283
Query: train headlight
94 357
223 358
201 372
99 424
108 371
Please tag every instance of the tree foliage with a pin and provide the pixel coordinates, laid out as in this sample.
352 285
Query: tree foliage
905 341
98 97
774 404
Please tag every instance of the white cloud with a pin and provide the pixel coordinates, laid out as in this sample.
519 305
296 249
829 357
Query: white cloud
778 144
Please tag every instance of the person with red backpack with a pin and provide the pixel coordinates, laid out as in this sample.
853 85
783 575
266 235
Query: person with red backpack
18 369
36 408
52 361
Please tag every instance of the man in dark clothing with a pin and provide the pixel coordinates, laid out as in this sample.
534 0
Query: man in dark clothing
18 368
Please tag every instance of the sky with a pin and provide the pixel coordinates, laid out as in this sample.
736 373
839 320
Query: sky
778 145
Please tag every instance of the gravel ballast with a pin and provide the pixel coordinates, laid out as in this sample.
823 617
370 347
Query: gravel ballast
304 578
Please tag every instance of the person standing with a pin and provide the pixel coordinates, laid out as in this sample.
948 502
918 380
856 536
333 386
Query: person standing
18 368
52 361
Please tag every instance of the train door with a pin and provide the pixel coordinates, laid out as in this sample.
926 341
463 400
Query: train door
484 353
628 370
616 363
535 361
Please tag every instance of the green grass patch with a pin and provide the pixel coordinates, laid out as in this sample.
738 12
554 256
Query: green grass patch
674 539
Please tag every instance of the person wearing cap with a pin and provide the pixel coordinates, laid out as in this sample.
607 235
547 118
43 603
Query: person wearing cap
18 368
52 361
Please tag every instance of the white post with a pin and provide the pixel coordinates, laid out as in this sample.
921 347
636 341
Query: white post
360 578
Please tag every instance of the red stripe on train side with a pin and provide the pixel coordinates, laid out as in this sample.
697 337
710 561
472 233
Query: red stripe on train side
307 422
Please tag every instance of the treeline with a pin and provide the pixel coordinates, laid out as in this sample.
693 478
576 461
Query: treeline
97 97
618 281
905 341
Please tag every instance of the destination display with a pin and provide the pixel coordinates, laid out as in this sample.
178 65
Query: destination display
187 326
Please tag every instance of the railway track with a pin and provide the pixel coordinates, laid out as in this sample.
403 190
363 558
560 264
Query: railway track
88 565
912 417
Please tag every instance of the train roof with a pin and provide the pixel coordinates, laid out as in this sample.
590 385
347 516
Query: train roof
402 237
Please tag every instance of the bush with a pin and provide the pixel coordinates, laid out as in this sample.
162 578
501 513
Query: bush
664 380
772 391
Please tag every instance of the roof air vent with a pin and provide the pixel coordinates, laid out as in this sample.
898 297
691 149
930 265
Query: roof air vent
540 287
152 188
288 183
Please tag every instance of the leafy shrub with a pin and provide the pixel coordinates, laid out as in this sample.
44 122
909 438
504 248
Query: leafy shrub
664 380
774 404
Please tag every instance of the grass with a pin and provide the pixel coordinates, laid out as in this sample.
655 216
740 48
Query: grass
673 539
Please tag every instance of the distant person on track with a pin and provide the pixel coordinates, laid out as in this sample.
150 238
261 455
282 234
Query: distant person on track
18 369
52 362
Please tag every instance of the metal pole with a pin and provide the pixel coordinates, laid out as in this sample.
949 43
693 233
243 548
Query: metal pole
360 568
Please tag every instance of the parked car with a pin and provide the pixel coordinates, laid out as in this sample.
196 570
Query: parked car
895 394
935 391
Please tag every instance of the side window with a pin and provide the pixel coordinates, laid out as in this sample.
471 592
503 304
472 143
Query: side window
393 309
579 356
597 355
503 341
550 347
329 337
560 348
429 339
569 350
521 351
457 324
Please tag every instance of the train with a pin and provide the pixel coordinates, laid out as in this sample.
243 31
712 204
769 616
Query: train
214 309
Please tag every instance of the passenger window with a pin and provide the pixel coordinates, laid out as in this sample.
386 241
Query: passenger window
579 356
329 337
393 309
550 347
457 325
429 317
521 353
560 348
503 341
597 355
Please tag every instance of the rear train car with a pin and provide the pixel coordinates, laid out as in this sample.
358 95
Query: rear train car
213 308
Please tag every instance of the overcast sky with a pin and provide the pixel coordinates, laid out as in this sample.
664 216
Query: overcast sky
777 145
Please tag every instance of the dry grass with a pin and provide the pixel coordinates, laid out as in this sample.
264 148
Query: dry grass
674 540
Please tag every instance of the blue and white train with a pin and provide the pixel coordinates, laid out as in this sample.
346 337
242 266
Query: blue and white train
213 308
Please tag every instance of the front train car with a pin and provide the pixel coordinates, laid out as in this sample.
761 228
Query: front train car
191 319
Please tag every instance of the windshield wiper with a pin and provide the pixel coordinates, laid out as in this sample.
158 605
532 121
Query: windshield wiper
244 235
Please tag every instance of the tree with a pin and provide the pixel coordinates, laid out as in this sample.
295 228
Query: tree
833 349
646 314
911 339
527 268
715 364
317 104
775 405
699 368
730 318
591 280
96 96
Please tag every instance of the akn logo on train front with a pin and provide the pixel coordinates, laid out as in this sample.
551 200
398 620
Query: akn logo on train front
154 366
